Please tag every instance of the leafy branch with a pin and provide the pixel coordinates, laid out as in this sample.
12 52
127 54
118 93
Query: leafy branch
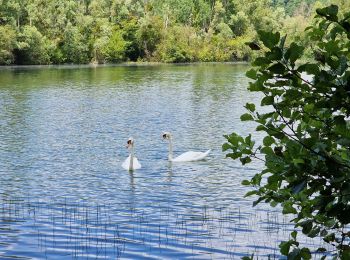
306 147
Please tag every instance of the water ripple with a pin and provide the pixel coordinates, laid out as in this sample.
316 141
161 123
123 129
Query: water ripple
64 194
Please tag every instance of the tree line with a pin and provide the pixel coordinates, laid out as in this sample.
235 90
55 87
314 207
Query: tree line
109 31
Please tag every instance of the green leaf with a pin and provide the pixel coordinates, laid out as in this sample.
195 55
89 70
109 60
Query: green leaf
233 156
267 150
294 255
269 39
256 180
253 45
346 25
260 61
330 12
323 233
309 108
312 69
255 87
277 68
248 257
298 161
288 209
248 139
245 183
305 253
275 54
245 160
343 65
250 193
250 107
329 238
282 42
260 128
268 140
268 100
345 252
226 147
306 226
257 201
273 203
252 74
247 117
294 52
273 182
314 232
234 139
284 247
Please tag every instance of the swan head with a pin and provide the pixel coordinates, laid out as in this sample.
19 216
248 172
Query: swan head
166 136
130 142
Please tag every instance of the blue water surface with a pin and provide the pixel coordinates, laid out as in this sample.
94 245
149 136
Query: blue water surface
64 194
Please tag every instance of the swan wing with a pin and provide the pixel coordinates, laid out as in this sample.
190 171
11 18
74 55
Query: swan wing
126 163
136 163
191 156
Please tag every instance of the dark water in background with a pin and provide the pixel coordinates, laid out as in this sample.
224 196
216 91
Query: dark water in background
64 194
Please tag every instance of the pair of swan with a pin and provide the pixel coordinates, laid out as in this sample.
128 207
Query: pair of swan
132 163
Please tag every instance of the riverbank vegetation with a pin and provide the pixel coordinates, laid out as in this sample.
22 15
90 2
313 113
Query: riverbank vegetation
109 31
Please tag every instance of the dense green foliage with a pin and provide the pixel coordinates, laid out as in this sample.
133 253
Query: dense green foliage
306 150
83 31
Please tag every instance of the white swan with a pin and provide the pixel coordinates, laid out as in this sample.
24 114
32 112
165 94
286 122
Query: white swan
189 156
131 163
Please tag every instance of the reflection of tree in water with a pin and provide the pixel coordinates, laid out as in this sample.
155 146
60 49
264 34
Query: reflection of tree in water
218 81
15 134
217 89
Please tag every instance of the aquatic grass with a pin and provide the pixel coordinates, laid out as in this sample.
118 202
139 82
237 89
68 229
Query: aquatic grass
70 229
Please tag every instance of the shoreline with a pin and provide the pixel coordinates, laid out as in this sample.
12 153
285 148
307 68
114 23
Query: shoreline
123 64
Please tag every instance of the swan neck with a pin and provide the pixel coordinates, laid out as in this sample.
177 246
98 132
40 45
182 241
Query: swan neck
170 157
131 165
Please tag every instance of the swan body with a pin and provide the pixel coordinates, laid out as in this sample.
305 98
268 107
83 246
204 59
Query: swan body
135 165
189 156
131 163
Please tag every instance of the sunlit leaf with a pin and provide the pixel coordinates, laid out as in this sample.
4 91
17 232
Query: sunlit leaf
247 117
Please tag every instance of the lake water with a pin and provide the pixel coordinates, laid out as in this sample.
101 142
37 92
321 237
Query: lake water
64 194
